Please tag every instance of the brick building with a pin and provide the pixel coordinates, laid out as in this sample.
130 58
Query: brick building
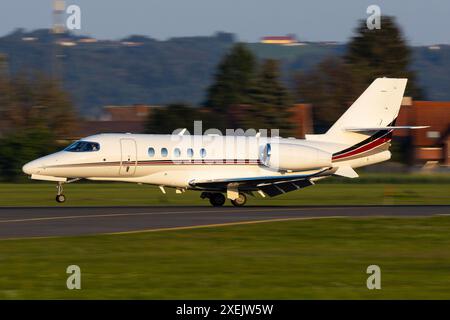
431 144
302 120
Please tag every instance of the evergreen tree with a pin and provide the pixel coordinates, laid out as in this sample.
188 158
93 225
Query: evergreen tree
233 80
381 53
270 100
333 85
330 87
177 116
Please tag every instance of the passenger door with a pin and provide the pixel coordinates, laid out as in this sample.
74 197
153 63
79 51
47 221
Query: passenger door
128 161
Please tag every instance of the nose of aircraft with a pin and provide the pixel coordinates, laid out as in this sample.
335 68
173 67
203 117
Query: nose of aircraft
31 167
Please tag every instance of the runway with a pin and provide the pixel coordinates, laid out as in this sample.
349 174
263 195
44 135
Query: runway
28 222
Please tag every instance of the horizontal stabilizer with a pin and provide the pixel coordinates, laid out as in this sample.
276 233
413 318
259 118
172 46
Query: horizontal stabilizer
384 128
346 171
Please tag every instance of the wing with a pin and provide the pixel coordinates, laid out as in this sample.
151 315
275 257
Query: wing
270 185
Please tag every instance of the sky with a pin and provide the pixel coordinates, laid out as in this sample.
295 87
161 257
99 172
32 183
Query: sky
424 22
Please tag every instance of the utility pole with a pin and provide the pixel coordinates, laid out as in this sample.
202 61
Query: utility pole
58 30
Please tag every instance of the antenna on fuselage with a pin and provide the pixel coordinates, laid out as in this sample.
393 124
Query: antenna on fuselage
182 132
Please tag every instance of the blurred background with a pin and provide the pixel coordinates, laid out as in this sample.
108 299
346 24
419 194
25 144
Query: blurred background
152 67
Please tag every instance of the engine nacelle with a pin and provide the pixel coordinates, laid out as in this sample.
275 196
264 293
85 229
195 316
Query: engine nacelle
286 156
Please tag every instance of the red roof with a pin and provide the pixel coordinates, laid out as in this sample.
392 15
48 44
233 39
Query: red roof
278 38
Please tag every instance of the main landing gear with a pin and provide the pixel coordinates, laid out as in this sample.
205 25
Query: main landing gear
239 201
217 199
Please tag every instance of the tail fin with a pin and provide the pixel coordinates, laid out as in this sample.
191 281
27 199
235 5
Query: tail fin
377 107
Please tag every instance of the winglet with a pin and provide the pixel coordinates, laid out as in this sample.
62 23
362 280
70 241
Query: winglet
347 172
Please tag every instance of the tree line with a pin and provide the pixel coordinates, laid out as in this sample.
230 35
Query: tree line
255 91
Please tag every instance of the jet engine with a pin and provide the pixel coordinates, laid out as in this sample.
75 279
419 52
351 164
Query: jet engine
286 156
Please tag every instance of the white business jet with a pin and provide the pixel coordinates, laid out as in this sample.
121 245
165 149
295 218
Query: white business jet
233 167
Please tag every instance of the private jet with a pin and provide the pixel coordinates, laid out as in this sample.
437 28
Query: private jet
232 167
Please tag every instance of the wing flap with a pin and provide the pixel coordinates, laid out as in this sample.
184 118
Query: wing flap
275 189
254 181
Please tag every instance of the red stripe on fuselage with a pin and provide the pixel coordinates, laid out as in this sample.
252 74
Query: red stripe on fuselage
364 148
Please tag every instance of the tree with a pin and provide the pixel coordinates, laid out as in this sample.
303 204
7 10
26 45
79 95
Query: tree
20 147
254 89
233 80
33 102
270 100
34 113
334 84
330 87
381 53
177 116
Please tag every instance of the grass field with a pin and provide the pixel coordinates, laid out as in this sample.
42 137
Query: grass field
388 191
308 259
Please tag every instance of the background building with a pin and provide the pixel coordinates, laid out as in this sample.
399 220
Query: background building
282 40
431 144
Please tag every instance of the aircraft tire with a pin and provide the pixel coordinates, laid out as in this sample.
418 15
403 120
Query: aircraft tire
60 198
239 202
217 199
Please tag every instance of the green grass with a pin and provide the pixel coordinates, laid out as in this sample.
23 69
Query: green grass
83 194
308 259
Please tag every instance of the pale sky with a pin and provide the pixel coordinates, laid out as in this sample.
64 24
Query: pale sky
423 21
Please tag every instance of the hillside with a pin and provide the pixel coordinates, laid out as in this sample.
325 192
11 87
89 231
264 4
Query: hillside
144 70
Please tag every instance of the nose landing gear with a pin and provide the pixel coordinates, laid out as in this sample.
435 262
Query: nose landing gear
60 197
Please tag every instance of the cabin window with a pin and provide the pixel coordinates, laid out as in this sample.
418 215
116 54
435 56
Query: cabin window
177 152
83 146
190 153
202 152
151 152
164 152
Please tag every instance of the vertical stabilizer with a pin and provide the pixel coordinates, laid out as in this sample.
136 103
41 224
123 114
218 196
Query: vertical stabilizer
377 107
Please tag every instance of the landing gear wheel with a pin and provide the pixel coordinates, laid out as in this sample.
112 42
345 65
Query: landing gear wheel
217 199
60 198
240 201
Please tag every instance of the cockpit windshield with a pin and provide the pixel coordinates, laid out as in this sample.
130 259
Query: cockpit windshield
83 146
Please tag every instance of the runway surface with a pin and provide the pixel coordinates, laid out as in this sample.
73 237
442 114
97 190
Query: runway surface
25 222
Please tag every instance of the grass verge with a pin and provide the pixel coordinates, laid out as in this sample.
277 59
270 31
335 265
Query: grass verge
308 259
